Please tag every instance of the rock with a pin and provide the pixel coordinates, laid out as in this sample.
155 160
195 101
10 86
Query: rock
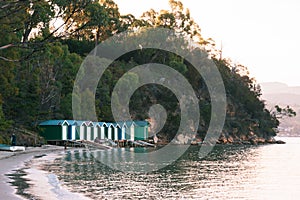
237 142
230 139
261 140
194 142
280 142
182 139
246 142
253 141
251 134
243 137
222 140
257 140
271 141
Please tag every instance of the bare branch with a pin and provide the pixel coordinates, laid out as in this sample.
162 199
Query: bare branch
6 46
7 59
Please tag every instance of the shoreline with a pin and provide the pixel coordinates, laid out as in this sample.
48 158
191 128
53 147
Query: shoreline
43 184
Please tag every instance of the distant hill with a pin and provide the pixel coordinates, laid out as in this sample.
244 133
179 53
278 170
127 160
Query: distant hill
280 93
276 93
283 98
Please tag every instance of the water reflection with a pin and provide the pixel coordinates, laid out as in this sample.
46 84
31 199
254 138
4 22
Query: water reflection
228 172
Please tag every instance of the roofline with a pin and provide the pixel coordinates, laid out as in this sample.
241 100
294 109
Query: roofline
119 124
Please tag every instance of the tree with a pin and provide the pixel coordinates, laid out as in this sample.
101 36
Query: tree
38 72
178 19
280 113
23 20
4 124
97 21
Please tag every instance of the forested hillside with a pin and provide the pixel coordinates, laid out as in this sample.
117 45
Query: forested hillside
43 44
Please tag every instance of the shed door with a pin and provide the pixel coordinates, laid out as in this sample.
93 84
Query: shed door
73 133
77 133
95 131
120 134
69 136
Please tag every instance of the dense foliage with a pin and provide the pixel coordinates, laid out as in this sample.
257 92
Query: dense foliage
44 42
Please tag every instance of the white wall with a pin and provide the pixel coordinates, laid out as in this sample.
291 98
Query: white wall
131 132
123 133
81 133
64 132
116 134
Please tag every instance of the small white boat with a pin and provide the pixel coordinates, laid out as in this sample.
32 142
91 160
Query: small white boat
5 147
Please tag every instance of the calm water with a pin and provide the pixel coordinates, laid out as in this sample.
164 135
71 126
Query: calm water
229 172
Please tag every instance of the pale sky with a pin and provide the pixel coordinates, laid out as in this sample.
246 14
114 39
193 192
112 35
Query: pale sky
263 35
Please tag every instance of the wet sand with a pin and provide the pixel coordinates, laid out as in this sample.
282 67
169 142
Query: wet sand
8 164
43 185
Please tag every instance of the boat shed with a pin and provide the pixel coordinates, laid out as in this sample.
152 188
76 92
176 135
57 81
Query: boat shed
129 130
141 130
134 130
56 130
110 131
101 133
117 132
81 128
61 130
89 131
96 130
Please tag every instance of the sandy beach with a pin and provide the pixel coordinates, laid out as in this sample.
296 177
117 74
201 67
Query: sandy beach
43 185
